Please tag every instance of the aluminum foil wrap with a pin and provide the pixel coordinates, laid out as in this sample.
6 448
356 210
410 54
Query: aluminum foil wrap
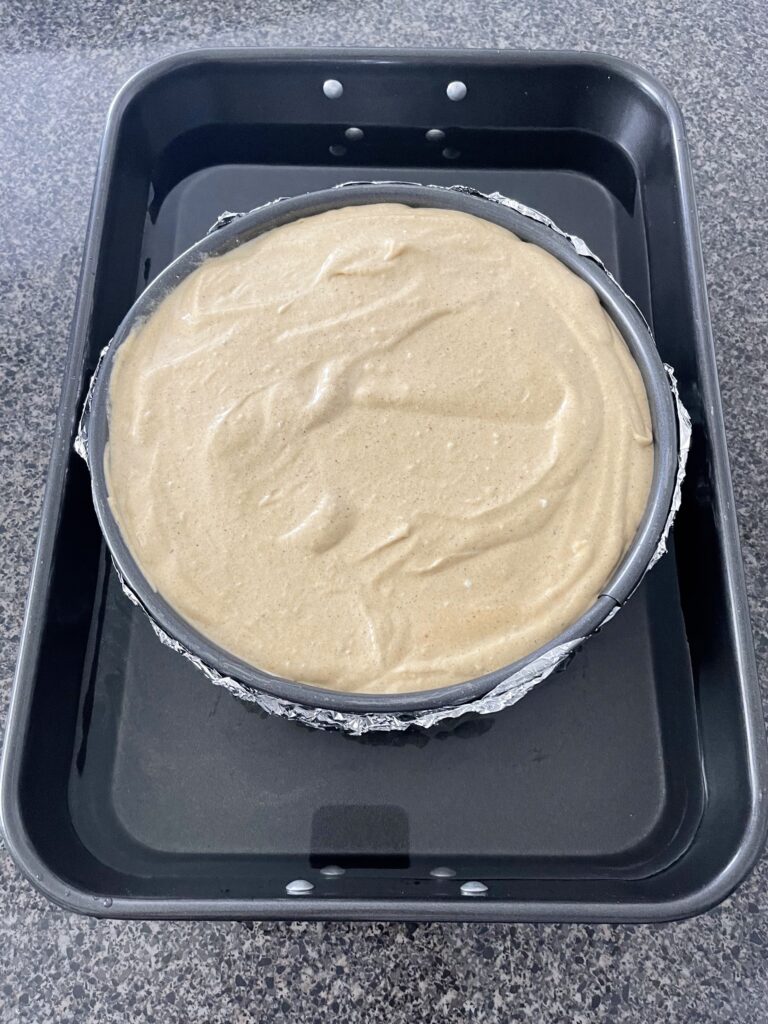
516 685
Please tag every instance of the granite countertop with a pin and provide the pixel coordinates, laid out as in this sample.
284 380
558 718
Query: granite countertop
58 72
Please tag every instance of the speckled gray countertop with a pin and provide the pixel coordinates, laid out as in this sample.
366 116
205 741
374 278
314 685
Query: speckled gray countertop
57 74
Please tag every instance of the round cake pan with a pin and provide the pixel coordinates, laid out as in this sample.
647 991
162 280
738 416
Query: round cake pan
622 310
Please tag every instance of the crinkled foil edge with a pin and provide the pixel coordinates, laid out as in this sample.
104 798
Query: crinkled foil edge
514 687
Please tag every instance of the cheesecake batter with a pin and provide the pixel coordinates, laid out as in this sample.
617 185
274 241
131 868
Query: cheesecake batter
380 449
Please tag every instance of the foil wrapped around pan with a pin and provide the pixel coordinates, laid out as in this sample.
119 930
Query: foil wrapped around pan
518 683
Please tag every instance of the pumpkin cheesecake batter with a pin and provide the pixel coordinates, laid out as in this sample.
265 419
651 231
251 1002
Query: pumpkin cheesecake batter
379 449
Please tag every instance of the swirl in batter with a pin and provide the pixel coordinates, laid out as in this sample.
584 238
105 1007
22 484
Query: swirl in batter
380 449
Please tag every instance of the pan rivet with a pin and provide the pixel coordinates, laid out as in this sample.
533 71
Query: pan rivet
332 871
299 887
333 89
456 91
474 889
442 872
435 135
354 134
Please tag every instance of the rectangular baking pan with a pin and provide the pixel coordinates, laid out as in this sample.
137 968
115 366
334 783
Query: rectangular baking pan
629 787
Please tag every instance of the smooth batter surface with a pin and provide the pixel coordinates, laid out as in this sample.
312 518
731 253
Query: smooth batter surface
379 449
